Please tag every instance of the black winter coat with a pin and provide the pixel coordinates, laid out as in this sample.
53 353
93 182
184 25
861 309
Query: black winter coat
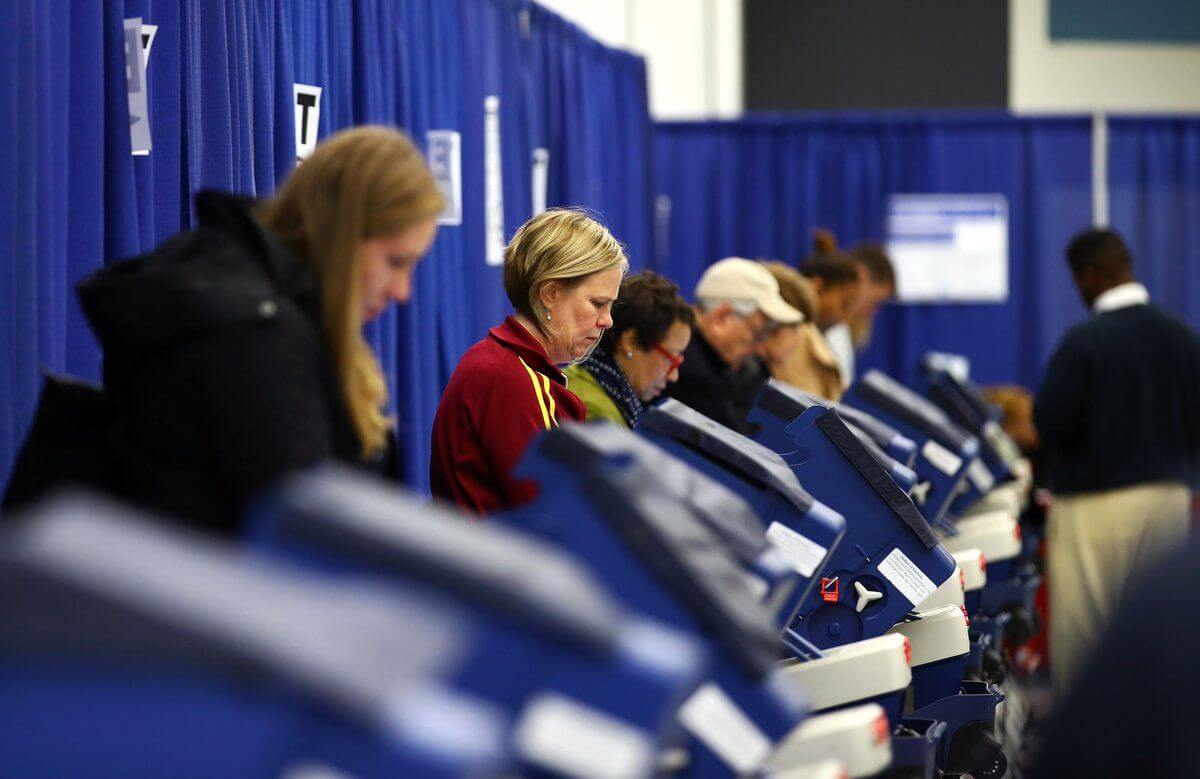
220 378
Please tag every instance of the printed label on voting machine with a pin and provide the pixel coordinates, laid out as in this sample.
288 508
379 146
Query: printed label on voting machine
571 739
981 477
803 555
712 717
942 458
905 576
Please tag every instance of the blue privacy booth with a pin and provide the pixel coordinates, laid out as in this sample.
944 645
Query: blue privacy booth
805 531
944 451
134 650
964 404
778 401
882 524
891 440
893 450
610 498
889 560
547 628
1007 601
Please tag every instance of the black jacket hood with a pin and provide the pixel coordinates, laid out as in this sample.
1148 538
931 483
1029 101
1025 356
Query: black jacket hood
229 271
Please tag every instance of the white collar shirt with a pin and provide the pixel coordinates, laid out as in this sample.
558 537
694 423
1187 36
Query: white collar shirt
1121 296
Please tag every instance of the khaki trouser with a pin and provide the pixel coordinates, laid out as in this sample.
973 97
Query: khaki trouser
1094 542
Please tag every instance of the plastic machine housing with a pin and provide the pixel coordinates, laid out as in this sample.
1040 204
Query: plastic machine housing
944 451
157 631
547 625
804 531
889 560
604 496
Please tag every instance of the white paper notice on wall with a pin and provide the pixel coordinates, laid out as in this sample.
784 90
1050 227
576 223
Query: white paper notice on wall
308 117
444 151
493 182
149 32
905 576
949 248
135 83
540 179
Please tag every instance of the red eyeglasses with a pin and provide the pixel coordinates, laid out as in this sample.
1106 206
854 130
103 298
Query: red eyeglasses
675 359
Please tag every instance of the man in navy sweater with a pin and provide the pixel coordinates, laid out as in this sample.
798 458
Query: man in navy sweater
1119 413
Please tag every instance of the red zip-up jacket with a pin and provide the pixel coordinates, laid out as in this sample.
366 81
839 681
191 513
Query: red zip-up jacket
504 391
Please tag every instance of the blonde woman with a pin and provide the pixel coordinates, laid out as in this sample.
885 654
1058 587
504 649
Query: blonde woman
562 274
235 351
799 355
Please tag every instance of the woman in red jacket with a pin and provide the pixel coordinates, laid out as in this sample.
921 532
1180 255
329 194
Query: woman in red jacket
562 272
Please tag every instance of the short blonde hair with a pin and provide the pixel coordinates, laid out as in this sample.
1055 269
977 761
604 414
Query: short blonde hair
362 183
561 244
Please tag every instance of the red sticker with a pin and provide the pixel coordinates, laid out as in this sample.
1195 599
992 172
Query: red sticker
829 590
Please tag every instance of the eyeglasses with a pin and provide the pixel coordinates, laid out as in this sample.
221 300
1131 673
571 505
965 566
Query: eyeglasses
767 330
675 359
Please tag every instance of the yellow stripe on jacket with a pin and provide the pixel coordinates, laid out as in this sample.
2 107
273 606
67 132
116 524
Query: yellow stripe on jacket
537 391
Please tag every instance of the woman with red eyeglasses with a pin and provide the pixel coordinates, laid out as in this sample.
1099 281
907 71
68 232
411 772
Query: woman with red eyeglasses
639 355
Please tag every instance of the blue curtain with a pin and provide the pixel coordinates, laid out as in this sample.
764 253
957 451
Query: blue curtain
220 78
1154 201
65 172
758 187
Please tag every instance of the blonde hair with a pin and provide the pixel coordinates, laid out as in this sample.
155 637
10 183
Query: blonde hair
795 290
363 183
561 244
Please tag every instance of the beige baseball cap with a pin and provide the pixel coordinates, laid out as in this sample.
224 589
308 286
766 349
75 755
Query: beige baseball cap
736 278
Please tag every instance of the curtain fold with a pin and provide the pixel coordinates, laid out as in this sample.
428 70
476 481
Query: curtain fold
1154 201
220 82
759 187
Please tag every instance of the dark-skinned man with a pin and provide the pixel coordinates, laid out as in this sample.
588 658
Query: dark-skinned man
1119 415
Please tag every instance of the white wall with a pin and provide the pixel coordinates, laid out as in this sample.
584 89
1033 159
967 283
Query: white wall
693 49
1045 76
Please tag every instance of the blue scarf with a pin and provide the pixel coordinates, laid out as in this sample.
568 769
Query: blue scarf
601 365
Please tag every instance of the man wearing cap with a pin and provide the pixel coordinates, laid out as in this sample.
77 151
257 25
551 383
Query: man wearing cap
737 306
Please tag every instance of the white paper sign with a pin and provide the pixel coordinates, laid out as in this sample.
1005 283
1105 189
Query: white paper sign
942 458
493 182
444 151
308 117
949 247
540 179
135 83
570 739
712 717
802 553
149 32
905 576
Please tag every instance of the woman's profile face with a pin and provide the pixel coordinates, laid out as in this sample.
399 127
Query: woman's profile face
780 344
387 266
650 370
835 304
579 315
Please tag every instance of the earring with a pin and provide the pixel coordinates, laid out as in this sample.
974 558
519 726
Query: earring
547 315
628 355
